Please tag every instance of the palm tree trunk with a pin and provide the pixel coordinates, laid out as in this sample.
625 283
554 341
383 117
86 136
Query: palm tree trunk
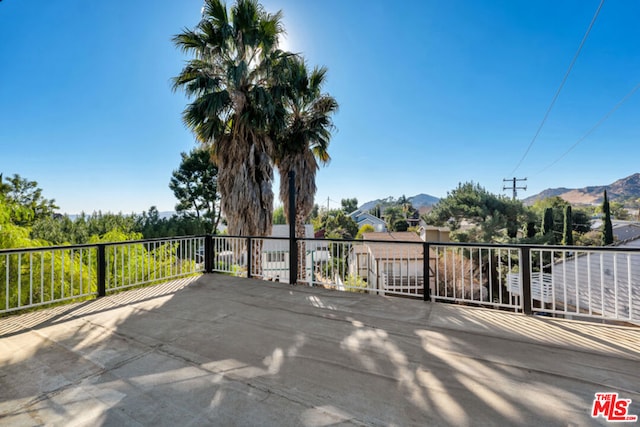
245 179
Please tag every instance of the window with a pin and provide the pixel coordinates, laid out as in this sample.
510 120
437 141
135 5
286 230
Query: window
275 256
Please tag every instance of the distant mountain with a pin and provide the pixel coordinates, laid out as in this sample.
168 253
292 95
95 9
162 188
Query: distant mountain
418 201
369 205
422 200
623 189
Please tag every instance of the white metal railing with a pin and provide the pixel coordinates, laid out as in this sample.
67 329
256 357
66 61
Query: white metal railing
575 282
582 282
378 267
541 286
36 277
229 255
130 264
474 274
562 281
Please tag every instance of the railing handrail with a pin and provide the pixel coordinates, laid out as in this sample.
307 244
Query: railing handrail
614 248
95 245
467 268
45 275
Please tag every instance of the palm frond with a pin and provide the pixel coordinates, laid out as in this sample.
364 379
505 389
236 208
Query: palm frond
189 40
216 11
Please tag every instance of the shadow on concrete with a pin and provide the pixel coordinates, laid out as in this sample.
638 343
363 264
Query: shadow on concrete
229 351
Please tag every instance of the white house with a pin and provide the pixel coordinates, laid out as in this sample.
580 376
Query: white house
389 267
275 254
361 218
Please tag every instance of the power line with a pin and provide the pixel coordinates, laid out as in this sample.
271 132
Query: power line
590 131
564 80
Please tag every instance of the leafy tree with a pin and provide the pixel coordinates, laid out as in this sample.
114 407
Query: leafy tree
366 228
99 224
55 230
607 227
336 224
581 221
591 238
11 235
349 205
236 80
26 200
581 218
391 215
278 216
618 211
195 185
557 206
490 213
400 225
567 238
302 144
314 212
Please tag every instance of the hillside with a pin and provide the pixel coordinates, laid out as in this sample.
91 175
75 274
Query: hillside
418 201
423 200
623 190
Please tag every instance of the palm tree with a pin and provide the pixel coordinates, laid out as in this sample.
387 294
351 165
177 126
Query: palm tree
234 82
302 144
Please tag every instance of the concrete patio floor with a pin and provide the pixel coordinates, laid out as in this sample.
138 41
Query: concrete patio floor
218 350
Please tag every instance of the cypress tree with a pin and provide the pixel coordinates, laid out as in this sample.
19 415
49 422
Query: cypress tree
567 238
607 227
547 225
531 229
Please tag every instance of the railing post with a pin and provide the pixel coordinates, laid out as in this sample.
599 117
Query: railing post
293 246
525 271
208 253
426 289
249 257
102 271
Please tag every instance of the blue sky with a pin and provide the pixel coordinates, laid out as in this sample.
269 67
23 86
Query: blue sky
431 93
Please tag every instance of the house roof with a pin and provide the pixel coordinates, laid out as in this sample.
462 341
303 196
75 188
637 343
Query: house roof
435 228
396 250
406 236
624 232
358 216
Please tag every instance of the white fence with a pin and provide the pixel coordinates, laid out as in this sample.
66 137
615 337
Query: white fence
574 282
43 276
601 283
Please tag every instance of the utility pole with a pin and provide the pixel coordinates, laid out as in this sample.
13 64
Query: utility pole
514 186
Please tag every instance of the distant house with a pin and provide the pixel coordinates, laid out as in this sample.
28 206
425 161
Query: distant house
622 230
275 254
391 266
626 231
361 218
430 233
413 222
